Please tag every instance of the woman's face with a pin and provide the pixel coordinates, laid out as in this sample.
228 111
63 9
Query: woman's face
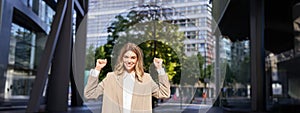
129 59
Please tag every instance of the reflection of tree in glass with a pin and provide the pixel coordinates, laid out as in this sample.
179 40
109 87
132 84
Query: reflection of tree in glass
23 49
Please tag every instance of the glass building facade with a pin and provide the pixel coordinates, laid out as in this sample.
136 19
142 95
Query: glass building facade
27 47
257 49
27 39
261 76
192 16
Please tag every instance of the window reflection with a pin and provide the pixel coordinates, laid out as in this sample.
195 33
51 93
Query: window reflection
25 50
282 73
40 8
282 79
235 56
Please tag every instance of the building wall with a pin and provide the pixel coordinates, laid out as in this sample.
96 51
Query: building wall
225 50
192 16
101 14
23 38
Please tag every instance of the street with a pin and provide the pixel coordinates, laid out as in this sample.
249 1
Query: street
171 106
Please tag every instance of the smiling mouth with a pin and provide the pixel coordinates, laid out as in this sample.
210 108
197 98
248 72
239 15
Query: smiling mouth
129 64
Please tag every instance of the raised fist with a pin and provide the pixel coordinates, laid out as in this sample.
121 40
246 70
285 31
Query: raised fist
100 63
158 63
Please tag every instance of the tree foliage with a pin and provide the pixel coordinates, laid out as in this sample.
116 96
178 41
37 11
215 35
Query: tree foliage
230 78
156 38
90 58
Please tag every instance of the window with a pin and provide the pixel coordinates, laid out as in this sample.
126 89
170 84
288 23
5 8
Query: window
25 50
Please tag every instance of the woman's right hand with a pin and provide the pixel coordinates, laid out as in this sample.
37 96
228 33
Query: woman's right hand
100 63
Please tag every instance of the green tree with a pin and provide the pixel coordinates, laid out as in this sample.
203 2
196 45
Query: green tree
194 70
190 70
230 78
156 38
90 58
243 75
205 72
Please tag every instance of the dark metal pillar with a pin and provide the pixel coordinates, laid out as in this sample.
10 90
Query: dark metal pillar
258 99
6 14
57 98
42 71
58 52
77 80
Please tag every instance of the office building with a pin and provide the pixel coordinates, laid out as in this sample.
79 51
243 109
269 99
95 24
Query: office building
225 50
23 40
31 35
192 16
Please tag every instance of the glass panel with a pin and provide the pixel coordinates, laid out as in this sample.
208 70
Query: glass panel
40 8
235 56
282 70
46 14
25 49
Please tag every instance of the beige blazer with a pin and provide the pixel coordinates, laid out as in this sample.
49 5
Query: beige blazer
111 88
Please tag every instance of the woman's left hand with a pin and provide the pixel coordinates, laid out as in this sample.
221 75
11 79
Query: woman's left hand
158 63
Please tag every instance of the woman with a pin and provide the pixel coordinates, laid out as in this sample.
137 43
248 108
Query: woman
128 89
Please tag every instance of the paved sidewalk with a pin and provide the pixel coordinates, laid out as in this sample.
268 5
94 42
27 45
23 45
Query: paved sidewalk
167 107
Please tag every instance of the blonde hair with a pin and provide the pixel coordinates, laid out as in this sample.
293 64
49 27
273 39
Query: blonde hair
138 68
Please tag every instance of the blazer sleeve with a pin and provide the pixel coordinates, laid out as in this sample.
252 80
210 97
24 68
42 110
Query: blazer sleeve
93 88
162 88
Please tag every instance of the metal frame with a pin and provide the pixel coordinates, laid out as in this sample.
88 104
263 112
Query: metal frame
57 92
257 52
42 71
6 20
58 53
29 20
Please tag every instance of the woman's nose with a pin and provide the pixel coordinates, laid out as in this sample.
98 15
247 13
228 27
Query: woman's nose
127 60
131 60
